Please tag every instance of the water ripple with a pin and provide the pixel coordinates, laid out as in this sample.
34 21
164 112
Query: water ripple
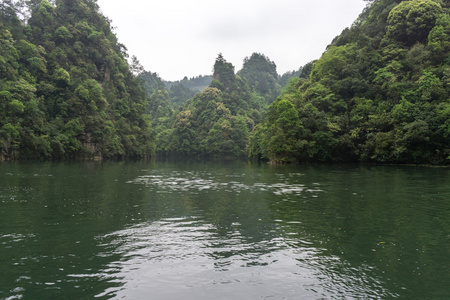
194 183
190 256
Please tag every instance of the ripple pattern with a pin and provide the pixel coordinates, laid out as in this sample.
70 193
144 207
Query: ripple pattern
196 261
193 183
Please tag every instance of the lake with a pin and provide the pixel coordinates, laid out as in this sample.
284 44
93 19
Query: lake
223 230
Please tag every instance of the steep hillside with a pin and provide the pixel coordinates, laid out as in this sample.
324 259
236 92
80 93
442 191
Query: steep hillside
380 93
66 90
217 121
185 89
261 75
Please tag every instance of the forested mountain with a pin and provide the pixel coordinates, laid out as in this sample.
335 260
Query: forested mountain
185 89
284 78
216 121
258 70
66 90
198 83
192 120
262 77
151 82
380 93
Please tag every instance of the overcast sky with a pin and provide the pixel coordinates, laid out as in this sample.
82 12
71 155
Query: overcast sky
177 38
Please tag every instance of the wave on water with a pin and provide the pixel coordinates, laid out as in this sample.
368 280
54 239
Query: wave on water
190 182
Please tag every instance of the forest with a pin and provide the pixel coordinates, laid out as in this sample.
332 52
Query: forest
66 88
378 94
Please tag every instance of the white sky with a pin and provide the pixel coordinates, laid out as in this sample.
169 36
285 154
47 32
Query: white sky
177 38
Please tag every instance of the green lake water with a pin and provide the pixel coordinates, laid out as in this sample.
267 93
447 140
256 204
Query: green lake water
223 230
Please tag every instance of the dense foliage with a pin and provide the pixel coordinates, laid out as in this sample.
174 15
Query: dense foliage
380 93
215 122
262 77
66 90
185 89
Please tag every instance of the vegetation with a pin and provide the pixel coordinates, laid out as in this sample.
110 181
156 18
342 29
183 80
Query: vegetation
66 89
213 121
380 93
183 90
261 75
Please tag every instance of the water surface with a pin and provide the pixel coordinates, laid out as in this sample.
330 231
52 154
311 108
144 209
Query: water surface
197 230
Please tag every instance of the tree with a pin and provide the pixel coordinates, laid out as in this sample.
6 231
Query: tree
223 71
378 94
136 68
411 21
282 132
66 89
261 75
439 37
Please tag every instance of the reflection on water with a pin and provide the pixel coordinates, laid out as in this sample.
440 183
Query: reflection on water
223 231
178 256
194 183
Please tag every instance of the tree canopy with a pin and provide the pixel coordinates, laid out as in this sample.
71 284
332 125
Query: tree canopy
66 87
378 94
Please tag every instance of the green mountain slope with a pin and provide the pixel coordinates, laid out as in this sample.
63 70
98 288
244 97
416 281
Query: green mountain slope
380 93
66 90
216 121
261 75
